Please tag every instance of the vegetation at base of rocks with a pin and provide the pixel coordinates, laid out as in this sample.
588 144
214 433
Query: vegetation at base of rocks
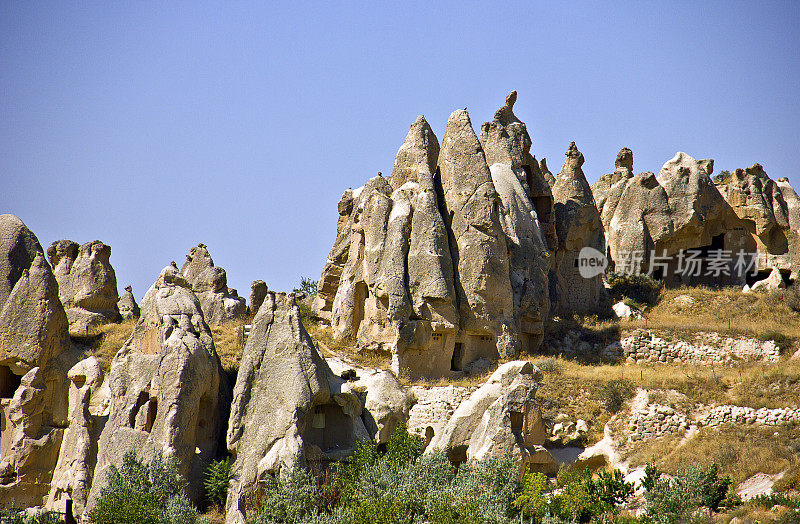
774 499
615 392
346 348
640 288
550 366
217 479
307 287
680 498
576 496
16 516
139 493
396 486
727 311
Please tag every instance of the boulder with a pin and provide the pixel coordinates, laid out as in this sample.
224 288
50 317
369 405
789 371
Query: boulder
386 405
288 407
128 308
579 226
772 283
623 310
793 233
502 416
258 292
168 390
210 283
35 354
87 285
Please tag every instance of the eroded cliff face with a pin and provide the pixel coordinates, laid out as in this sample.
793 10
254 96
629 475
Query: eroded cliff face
167 388
446 261
684 209
35 354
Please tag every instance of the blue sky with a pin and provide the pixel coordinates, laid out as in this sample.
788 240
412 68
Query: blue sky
153 126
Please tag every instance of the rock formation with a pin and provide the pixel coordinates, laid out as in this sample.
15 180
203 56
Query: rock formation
35 354
168 390
128 308
258 292
288 407
88 410
502 416
447 261
684 209
210 284
87 284
579 226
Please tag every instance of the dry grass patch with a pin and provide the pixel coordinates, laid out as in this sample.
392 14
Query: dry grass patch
726 311
346 348
111 339
739 451
228 343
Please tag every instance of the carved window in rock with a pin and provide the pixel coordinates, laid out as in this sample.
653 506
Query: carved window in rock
9 382
517 419
144 412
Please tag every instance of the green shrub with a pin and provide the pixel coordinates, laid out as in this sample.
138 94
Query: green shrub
307 286
288 499
640 288
615 392
139 493
774 499
532 502
11 516
218 478
676 500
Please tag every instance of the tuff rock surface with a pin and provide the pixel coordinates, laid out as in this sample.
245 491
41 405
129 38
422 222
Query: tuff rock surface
87 284
288 407
210 284
447 261
128 308
684 209
258 292
167 386
35 354
579 226
502 416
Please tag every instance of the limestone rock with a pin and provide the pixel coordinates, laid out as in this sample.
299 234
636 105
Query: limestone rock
697 208
258 292
288 407
623 310
793 233
128 308
502 416
578 225
210 284
18 247
35 354
87 284
168 391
